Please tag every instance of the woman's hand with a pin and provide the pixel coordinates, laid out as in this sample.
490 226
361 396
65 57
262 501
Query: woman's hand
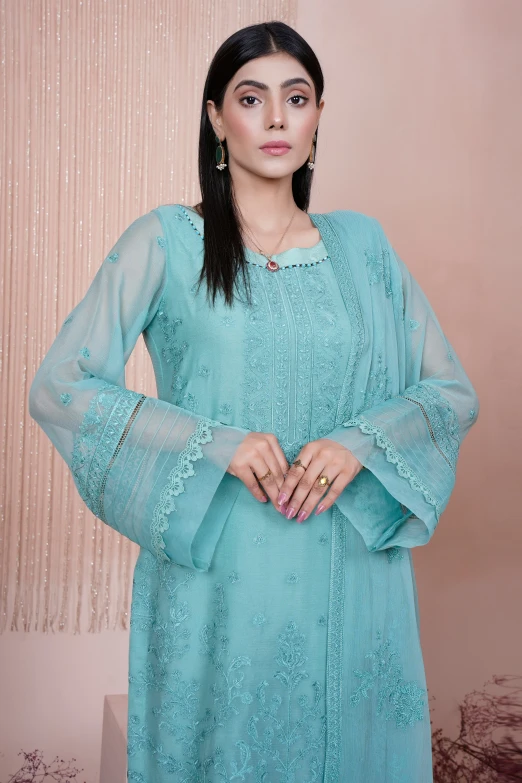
301 490
258 453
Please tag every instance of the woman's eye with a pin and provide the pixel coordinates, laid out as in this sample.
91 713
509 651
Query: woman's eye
305 99
247 97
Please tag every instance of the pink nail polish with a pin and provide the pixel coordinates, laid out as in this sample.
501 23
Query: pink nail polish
281 499
320 509
290 513
302 516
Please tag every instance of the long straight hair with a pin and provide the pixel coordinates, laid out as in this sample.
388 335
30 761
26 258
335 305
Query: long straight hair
224 256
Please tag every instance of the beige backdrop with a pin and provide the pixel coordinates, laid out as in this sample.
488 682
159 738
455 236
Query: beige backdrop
421 129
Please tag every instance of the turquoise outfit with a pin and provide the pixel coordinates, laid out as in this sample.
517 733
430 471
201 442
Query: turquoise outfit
262 650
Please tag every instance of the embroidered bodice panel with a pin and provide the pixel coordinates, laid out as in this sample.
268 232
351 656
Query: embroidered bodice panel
275 365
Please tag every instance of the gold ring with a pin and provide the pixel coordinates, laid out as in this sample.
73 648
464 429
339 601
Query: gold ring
324 481
265 476
298 464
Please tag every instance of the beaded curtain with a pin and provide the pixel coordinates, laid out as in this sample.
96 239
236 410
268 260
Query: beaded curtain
100 110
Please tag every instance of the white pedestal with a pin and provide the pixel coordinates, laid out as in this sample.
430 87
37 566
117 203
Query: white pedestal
113 768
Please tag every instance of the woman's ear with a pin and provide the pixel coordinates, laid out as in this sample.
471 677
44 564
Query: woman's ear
214 118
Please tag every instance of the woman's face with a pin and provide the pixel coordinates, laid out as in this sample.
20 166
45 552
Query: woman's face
268 110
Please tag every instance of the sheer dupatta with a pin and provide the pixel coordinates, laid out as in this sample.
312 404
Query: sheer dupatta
407 439
151 470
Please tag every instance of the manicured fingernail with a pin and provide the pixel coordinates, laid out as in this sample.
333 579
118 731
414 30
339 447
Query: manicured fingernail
281 499
320 509
283 508
290 513
302 516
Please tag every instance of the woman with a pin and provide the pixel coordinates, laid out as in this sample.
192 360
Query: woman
302 377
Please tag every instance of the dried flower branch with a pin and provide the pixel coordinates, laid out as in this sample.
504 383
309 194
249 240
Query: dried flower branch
35 770
489 746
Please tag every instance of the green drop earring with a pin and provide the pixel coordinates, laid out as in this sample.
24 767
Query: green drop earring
220 155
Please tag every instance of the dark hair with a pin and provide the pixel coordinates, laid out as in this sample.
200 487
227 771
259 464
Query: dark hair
217 205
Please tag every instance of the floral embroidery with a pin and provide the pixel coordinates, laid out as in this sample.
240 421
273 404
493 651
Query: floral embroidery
85 352
65 398
394 553
100 435
378 386
378 268
178 386
326 348
192 403
204 371
281 731
265 360
233 577
175 484
173 350
113 258
162 242
214 644
227 320
322 620
159 576
236 772
402 700
414 324
259 539
300 311
259 619
225 409
292 578
323 539
472 413
178 711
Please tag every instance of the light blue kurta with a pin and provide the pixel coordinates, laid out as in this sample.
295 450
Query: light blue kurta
263 650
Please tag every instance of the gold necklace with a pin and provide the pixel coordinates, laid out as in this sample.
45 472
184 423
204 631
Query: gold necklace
271 265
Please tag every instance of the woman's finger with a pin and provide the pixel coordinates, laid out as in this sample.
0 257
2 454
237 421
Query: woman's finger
246 475
334 490
309 491
281 461
260 466
294 475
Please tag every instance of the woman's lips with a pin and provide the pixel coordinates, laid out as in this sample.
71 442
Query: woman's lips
275 150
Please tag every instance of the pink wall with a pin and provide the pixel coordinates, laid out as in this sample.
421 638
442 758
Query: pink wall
421 129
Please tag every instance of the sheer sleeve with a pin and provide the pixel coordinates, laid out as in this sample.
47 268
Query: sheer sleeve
409 443
151 470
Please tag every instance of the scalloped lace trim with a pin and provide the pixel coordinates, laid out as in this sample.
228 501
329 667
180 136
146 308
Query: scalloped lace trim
175 485
392 455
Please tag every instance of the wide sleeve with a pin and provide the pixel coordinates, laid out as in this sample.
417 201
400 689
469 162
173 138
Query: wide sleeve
151 470
409 443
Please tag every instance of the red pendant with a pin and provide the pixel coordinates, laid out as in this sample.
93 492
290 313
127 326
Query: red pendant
272 266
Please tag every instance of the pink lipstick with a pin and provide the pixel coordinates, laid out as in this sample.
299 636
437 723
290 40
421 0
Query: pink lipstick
276 147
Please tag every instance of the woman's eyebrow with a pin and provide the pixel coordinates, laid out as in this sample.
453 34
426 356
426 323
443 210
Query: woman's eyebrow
261 86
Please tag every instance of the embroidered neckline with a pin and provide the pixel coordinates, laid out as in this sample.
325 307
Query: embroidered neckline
315 254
